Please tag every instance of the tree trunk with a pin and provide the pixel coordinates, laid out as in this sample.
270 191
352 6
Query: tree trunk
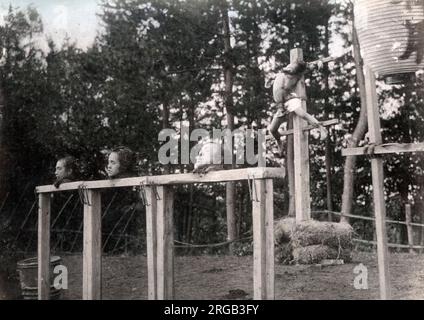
408 180
3 159
358 134
165 125
329 172
290 138
328 146
228 70
190 215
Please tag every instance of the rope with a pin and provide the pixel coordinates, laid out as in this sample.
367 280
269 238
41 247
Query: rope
213 245
392 245
368 218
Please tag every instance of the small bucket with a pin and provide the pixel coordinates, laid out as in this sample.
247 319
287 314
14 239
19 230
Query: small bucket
31 293
28 276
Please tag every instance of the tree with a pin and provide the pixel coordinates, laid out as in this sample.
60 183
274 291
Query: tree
19 71
358 133
228 70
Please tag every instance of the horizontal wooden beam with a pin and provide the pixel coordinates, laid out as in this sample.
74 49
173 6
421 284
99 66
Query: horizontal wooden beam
310 127
172 179
386 149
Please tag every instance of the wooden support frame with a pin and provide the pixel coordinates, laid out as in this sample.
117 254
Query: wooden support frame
301 152
263 240
378 184
387 148
159 220
44 247
310 127
92 247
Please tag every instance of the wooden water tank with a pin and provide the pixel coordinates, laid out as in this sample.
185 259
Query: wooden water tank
391 35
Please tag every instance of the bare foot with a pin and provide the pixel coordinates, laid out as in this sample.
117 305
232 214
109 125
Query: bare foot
323 133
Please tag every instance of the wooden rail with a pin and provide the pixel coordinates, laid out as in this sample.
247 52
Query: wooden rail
386 148
159 228
171 179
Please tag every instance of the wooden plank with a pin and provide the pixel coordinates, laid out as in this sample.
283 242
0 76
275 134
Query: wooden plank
386 148
301 152
165 244
259 240
378 184
269 241
44 247
92 247
173 179
151 212
310 127
408 219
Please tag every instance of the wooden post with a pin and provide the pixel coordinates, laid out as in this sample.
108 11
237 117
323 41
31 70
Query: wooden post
44 247
165 244
151 213
92 247
378 184
301 152
408 218
269 238
263 240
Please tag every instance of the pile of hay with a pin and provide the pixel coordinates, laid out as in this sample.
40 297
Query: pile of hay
312 241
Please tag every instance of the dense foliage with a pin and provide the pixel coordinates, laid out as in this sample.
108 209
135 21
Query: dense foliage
158 64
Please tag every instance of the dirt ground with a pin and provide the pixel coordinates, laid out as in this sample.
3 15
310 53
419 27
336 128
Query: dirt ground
228 277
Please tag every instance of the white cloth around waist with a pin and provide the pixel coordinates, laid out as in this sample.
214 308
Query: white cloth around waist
293 104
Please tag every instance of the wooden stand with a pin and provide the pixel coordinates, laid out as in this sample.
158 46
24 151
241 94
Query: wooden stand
378 183
160 229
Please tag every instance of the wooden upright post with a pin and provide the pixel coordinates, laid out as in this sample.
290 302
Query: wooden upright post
301 152
378 184
263 239
165 243
269 238
151 241
408 220
44 247
92 247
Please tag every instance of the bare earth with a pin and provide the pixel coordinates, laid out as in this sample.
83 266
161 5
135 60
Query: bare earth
213 277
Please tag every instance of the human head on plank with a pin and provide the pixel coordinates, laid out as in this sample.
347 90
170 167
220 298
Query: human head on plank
121 163
65 170
209 158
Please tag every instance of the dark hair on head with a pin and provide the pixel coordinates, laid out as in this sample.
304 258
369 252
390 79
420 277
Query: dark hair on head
127 160
70 163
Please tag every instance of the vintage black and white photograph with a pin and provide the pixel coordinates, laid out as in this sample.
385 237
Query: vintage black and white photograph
217 150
